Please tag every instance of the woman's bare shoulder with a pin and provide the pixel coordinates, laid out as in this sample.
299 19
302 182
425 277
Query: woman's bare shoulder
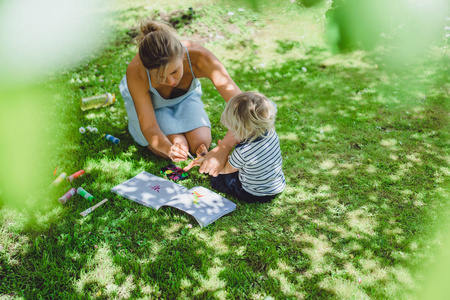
137 76
135 69
192 45
196 51
201 57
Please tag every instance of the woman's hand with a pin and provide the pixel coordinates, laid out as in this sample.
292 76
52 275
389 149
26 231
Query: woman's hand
178 152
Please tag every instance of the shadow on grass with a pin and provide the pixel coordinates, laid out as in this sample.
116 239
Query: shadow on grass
363 161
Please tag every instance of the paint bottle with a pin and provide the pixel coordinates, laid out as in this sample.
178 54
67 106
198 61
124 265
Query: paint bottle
59 179
67 196
97 101
112 139
82 192
75 175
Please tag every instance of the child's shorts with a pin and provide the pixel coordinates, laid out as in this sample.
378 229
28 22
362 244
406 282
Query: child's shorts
231 185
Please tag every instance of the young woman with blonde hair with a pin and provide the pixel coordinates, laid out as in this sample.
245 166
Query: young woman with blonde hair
162 95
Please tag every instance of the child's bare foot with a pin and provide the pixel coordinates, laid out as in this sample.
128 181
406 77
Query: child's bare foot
201 153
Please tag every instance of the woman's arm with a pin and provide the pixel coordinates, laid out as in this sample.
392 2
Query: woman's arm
139 90
208 65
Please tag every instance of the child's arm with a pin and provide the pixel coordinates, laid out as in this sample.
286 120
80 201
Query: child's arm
228 168
201 153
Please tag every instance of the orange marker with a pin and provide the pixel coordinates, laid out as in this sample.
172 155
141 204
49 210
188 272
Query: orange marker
75 175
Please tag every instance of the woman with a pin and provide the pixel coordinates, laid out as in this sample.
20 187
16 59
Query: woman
162 93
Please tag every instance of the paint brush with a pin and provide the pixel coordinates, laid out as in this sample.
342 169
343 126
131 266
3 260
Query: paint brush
91 209
190 156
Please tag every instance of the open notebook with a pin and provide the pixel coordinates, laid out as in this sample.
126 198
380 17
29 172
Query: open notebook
153 191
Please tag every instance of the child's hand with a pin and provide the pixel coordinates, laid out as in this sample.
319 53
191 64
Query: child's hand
201 153
197 162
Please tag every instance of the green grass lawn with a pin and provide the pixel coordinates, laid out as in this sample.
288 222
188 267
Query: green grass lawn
365 154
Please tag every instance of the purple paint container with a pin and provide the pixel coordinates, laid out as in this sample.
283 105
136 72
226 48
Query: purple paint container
67 196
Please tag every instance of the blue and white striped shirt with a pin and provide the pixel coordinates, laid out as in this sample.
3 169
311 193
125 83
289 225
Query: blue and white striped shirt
259 164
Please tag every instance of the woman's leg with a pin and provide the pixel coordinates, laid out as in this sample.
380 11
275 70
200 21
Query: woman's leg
198 136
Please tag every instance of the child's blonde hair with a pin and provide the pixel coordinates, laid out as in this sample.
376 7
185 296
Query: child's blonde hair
249 115
158 46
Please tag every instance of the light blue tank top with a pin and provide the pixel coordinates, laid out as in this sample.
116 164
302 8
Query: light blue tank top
159 102
178 115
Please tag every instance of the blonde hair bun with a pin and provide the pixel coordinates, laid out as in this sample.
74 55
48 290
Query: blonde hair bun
158 46
152 26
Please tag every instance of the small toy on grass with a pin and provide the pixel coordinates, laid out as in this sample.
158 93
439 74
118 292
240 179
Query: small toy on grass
83 193
174 173
67 196
59 179
112 139
75 175
92 208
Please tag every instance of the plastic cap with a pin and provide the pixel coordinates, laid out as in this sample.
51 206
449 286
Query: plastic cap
113 98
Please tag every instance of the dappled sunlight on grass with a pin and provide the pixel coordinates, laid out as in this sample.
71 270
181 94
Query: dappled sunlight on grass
401 172
415 158
289 136
344 288
216 241
316 248
12 244
171 230
212 282
100 273
364 156
390 143
361 221
110 170
287 287
44 220
326 164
